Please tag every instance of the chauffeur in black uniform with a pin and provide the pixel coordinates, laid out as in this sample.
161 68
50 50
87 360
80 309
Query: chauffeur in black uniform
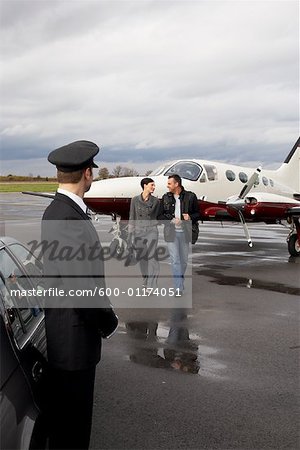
74 325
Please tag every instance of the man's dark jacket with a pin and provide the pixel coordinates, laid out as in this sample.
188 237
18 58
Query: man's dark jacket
73 332
188 205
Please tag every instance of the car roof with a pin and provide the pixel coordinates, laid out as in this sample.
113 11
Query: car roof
6 240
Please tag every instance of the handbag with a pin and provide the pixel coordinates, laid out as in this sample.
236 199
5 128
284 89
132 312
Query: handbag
130 259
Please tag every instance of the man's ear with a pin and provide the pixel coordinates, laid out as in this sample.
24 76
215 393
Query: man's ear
88 173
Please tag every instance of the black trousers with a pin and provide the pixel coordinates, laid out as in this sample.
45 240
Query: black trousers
69 408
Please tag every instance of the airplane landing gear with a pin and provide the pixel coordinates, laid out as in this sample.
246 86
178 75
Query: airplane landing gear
118 244
293 238
294 245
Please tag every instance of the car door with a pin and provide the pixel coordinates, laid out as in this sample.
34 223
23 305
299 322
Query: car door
24 315
19 412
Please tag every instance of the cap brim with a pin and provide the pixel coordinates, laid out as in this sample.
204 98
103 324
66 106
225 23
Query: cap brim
95 165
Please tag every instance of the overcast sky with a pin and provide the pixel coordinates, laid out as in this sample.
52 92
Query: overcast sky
149 81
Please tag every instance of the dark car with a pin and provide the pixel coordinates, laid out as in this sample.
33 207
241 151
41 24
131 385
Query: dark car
23 349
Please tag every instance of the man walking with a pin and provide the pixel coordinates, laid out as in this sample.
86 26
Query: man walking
73 263
179 208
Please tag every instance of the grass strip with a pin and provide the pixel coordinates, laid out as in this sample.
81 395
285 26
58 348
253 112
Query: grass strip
28 186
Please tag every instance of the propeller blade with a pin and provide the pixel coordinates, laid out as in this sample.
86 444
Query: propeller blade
252 180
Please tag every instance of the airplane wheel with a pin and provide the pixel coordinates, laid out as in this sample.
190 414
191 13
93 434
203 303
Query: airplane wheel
293 245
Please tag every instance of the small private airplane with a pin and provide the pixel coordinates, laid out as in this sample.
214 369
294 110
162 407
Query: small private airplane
225 192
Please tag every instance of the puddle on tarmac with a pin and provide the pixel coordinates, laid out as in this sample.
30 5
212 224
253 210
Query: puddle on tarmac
249 283
171 347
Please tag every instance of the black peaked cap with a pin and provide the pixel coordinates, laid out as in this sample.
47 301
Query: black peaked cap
74 156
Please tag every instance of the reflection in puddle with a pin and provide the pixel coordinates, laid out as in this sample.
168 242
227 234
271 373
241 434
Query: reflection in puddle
224 280
171 347
166 358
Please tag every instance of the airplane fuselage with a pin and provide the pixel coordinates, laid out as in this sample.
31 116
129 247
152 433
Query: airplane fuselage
212 182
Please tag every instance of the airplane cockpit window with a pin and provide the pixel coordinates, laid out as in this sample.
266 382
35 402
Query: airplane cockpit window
211 172
243 177
188 170
271 183
158 171
265 181
203 178
230 175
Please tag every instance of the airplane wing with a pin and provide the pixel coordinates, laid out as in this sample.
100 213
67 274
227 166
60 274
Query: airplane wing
40 194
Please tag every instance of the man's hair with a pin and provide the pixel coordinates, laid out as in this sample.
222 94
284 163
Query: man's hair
176 178
146 181
69 177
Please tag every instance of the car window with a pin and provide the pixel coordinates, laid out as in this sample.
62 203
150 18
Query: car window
12 313
33 267
31 264
17 296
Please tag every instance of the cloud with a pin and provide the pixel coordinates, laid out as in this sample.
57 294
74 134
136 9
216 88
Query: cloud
148 80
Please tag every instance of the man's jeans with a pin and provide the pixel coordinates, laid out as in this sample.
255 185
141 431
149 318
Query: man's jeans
179 252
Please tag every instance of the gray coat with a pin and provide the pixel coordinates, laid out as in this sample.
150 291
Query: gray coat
143 215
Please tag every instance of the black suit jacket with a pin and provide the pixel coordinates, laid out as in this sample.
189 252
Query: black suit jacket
73 260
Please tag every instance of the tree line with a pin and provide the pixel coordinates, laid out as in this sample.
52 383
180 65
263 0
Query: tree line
103 174
119 171
21 178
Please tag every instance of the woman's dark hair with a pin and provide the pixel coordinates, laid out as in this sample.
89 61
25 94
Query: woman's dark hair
146 181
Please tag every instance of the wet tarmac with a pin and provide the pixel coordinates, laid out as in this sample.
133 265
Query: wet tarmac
223 374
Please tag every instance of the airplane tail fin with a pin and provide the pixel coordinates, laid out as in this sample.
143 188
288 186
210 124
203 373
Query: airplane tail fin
289 171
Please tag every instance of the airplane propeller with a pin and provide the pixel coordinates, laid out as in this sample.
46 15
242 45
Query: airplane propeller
238 202
251 182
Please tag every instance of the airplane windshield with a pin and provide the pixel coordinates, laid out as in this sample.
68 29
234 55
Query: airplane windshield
158 171
186 169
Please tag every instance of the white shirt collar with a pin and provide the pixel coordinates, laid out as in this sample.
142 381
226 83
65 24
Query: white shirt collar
78 200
